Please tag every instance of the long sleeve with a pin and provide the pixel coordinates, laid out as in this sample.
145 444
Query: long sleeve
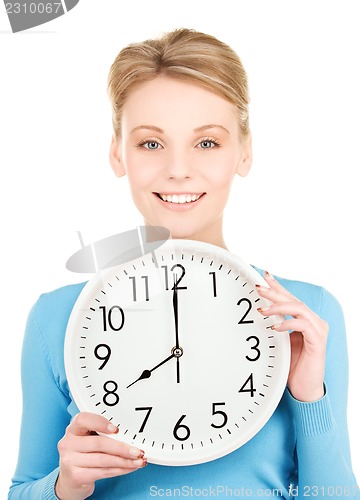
322 443
44 416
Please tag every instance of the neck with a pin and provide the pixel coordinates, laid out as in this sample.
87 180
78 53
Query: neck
212 235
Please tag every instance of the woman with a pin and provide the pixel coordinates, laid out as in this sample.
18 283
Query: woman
181 133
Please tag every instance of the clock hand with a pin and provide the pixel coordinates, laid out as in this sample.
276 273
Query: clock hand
176 316
176 351
147 373
177 346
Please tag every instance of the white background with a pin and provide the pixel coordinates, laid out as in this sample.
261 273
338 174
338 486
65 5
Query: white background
295 215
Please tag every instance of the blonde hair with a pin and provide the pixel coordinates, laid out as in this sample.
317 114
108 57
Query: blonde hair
186 55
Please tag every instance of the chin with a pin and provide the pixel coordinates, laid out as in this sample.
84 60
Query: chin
182 235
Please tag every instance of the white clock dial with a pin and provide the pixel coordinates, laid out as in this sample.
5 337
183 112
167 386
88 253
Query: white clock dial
170 348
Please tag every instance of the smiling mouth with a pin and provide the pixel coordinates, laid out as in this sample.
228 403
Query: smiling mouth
179 198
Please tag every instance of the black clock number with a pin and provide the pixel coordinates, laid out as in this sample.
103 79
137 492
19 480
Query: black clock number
100 354
114 318
248 386
177 280
176 283
148 411
219 412
182 428
111 398
146 280
248 307
257 353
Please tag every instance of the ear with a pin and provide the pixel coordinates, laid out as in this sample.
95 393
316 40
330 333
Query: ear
245 162
115 158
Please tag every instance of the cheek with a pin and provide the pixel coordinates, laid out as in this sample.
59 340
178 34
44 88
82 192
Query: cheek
137 177
221 171
140 170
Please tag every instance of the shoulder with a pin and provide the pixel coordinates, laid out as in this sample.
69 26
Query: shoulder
57 303
43 343
51 312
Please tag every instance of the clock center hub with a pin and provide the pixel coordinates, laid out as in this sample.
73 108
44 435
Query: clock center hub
177 352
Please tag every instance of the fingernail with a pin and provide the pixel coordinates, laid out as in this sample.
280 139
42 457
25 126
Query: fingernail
136 453
262 289
141 462
112 428
268 275
263 309
276 326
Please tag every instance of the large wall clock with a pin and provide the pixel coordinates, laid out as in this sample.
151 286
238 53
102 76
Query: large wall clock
170 348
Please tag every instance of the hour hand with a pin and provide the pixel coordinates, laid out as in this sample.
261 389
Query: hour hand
147 373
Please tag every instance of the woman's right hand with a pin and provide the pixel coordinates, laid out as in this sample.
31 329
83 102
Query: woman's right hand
86 457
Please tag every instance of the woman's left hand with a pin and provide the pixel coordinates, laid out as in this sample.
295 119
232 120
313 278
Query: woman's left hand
307 339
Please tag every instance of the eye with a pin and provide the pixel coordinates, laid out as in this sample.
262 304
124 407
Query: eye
152 145
208 144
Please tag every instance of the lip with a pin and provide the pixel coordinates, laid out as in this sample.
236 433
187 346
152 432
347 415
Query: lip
179 206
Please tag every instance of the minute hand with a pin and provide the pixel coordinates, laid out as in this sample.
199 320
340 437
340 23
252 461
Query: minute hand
176 317
177 345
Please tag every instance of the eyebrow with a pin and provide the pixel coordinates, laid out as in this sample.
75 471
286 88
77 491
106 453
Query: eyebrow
161 131
148 127
209 126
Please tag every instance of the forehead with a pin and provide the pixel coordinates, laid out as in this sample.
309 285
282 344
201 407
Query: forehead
167 102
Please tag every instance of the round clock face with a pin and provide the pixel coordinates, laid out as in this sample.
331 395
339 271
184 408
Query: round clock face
170 348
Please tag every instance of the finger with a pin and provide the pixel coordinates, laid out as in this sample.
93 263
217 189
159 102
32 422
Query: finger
114 447
83 423
274 294
313 338
103 460
275 285
295 308
275 291
296 325
311 335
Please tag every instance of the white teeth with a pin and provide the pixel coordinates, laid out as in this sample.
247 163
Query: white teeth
179 198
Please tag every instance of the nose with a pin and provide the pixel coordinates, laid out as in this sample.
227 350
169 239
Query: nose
179 165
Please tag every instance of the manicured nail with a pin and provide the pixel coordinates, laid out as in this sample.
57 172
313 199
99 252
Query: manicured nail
141 462
112 428
262 289
276 326
268 275
136 453
263 309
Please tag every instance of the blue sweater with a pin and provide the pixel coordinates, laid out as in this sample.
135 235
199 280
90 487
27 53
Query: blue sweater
302 452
